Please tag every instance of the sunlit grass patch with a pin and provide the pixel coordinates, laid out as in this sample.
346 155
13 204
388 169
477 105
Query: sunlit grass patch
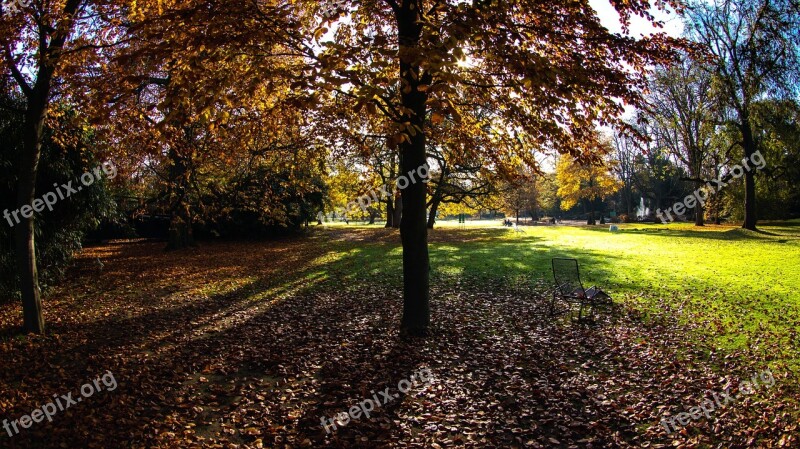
741 286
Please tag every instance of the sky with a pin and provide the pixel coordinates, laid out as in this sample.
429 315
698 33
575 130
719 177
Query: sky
639 27
610 19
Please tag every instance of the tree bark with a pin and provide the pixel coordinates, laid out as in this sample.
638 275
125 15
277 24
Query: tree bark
180 233
33 320
750 219
180 229
38 99
432 214
398 211
629 201
699 210
413 226
389 212
436 198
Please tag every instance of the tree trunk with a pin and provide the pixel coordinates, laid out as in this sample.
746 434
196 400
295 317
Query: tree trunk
38 100
180 229
413 227
436 199
398 211
180 233
699 212
750 220
629 202
33 320
389 212
432 215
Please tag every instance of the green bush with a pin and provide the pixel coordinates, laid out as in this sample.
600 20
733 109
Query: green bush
59 232
263 203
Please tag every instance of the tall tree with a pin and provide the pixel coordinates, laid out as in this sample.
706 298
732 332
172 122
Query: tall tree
551 72
564 70
684 119
40 49
584 183
625 152
520 195
755 52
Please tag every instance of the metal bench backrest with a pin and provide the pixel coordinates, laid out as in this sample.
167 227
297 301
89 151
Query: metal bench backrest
567 276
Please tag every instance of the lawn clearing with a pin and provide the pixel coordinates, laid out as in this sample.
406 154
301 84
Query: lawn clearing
252 344
740 286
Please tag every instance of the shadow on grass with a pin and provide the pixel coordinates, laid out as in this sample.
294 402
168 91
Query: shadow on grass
523 257
308 330
292 345
735 234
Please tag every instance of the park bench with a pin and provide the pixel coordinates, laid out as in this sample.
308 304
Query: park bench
569 289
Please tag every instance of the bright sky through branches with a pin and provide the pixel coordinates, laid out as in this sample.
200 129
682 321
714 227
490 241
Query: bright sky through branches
672 26
639 26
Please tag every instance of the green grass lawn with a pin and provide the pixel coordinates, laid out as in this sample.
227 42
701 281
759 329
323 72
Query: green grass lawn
232 342
739 288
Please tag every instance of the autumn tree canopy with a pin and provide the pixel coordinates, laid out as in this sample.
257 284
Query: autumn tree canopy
546 74
753 49
48 50
519 76
582 183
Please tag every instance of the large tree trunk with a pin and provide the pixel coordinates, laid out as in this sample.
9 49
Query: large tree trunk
750 219
588 208
180 228
180 232
432 214
436 198
699 210
38 98
696 158
33 320
398 211
390 212
413 229
629 202
699 220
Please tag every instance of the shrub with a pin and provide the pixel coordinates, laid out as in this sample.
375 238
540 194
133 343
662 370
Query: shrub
59 232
